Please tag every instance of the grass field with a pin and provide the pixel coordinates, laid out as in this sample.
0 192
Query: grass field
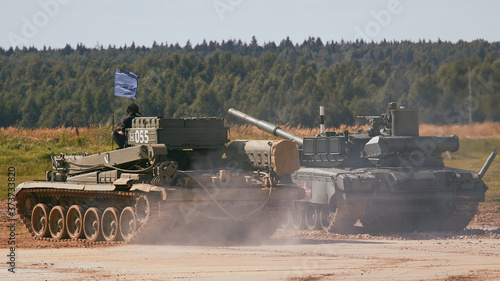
476 143
29 151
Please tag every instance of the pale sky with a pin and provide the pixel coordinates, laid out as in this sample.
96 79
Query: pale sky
56 23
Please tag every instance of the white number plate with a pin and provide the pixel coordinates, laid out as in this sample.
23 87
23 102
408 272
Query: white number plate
139 136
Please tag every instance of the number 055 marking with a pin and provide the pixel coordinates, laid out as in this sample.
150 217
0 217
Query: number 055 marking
141 136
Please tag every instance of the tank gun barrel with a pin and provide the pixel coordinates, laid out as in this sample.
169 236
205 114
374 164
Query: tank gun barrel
487 164
265 126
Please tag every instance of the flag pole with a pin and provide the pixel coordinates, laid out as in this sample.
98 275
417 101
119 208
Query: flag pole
113 116
113 124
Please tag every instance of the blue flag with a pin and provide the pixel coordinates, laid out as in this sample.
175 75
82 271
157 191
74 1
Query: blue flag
125 84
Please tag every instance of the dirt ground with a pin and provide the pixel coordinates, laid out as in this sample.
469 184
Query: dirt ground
472 254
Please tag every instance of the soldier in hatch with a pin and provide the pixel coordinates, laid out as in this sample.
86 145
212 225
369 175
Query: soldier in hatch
118 135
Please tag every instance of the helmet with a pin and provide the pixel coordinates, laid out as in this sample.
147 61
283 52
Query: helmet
131 108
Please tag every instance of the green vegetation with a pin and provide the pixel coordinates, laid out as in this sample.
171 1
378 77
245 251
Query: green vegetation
29 151
280 83
472 155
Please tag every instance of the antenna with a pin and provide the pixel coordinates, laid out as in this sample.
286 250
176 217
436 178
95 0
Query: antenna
470 98
322 119
392 65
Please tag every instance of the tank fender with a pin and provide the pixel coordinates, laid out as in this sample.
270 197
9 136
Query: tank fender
144 187
48 185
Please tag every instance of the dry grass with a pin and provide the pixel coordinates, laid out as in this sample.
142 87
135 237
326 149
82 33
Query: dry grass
39 134
252 132
476 130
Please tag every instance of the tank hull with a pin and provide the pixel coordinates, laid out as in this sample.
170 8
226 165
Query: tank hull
147 212
387 199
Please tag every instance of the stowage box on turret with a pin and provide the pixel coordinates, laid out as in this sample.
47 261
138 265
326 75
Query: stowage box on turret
389 178
173 174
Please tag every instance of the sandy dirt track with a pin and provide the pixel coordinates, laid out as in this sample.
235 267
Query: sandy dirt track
283 258
472 254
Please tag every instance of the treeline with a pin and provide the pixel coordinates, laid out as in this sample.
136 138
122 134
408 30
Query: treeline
280 83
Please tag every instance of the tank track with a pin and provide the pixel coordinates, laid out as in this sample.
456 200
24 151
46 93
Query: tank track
344 218
159 218
156 220
87 199
463 214
340 219
455 219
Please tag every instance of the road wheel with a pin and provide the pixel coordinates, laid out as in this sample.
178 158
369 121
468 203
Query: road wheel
128 223
312 217
325 217
287 218
110 224
74 222
57 222
297 217
40 220
92 224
